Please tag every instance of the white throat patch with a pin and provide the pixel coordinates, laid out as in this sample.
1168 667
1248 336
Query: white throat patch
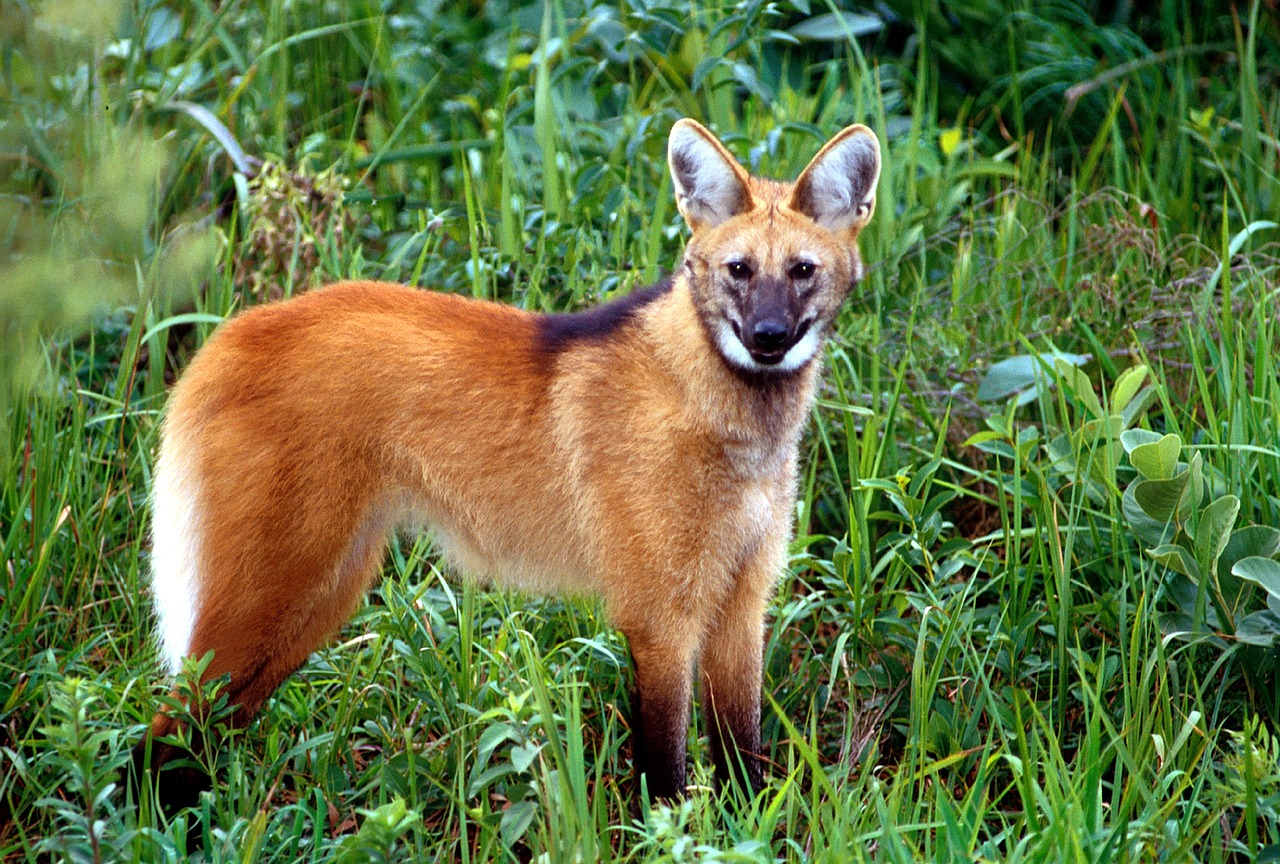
732 349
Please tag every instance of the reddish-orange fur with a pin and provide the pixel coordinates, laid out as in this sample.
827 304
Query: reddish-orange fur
636 463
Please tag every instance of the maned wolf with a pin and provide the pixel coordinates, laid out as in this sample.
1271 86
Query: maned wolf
643 451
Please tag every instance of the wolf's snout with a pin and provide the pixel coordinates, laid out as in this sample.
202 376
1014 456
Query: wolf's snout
770 334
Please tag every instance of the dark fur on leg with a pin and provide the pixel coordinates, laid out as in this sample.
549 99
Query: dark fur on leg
176 786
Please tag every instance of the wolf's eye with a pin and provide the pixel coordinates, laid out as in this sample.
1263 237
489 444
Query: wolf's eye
739 269
802 269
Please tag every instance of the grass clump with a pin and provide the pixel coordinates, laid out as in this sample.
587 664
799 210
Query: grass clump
1031 612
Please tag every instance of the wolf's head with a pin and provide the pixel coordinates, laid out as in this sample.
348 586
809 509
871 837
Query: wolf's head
769 263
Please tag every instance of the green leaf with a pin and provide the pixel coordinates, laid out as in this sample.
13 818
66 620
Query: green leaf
1194 493
523 755
1021 373
1075 380
1214 530
1132 438
996 447
1177 558
1062 454
1150 531
1261 541
1185 595
1260 571
922 476
1260 628
163 26
1102 429
745 76
703 69
1102 437
488 777
832 27
1159 498
1127 385
983 437
1178 625
1158 459
492 736
1138 405
1009 376
378 834
1268 854
516 820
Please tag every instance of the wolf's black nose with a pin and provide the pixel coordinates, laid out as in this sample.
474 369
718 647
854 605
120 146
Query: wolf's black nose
769 334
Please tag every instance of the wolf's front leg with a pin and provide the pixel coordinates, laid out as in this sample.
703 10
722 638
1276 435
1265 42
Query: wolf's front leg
663 669
730 661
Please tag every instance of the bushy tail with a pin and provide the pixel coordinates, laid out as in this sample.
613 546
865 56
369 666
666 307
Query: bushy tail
175 548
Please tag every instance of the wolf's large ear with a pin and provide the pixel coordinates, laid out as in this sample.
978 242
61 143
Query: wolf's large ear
838 188
710 184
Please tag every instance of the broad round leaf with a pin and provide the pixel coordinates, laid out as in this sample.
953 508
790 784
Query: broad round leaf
1260 571
1148 530
1159 498
1013 374
1260 628
1261 541
1132 438
1157 460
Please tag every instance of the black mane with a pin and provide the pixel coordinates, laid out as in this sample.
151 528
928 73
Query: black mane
558 331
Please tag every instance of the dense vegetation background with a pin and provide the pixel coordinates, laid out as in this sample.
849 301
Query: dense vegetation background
1034 601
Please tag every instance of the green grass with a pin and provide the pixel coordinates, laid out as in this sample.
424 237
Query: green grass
975 654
